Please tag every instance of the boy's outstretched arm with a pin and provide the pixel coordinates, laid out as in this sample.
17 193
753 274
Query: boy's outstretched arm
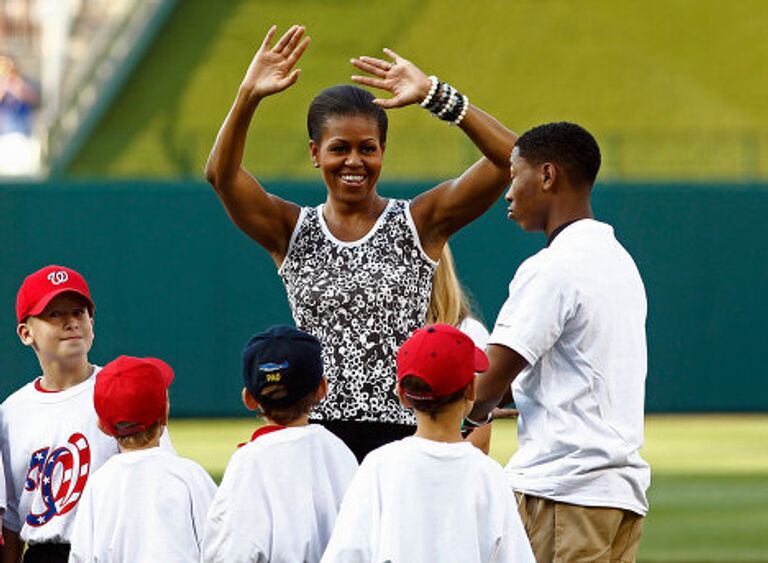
505 365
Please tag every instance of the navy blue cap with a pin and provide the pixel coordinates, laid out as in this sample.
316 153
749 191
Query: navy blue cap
282 356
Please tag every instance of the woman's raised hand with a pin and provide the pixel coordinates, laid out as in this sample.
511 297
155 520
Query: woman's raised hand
407 83
271 69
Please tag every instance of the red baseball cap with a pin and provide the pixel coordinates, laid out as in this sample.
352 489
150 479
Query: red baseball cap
40 287
442 356
130 394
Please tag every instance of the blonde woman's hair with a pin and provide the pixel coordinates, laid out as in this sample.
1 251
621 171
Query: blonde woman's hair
448 303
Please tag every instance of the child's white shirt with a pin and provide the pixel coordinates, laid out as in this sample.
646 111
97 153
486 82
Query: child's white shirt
51 445
279 498
421 501
143 505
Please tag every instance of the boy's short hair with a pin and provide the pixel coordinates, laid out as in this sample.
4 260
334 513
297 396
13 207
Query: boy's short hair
564 143
140 439
282 368
40 287
131 394
416 388
294 411
443 359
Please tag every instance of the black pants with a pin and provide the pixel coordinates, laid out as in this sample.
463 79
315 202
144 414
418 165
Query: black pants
47 553
362 437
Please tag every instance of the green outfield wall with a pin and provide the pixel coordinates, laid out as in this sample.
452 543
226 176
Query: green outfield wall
172 277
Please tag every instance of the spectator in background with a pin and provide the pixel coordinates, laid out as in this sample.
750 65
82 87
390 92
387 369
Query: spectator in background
19 151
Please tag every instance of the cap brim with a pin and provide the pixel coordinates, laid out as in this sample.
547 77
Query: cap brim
481 361
48 297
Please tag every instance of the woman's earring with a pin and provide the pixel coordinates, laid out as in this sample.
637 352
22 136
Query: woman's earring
316 164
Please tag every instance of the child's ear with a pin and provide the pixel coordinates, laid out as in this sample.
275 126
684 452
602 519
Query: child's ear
103 429
470 391
24 334
322 390
249 400
167 411
403 399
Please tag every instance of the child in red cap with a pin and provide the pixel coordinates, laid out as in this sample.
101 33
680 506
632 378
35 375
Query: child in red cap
49 432
145 504
432 496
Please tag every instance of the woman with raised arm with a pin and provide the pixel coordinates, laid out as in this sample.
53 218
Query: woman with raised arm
358 268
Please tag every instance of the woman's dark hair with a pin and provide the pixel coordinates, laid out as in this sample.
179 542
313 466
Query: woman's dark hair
340 101
412 385
566 144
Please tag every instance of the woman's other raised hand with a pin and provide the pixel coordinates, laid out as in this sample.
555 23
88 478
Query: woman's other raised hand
271 70
407 83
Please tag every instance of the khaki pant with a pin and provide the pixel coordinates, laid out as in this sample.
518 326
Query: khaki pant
568 533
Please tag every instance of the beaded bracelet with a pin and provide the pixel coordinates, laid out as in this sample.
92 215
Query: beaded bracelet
445 102
432 89
463 112
441 97
449 106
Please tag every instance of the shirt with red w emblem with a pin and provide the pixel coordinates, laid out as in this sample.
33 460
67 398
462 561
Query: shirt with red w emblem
51 444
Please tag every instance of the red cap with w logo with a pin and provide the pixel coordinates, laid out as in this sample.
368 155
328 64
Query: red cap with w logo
40 287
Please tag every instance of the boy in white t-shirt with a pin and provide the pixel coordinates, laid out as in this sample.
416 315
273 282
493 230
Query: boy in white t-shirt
432 496
570 340
281 492
146 504
48 428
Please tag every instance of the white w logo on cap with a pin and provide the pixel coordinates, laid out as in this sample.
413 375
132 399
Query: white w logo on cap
58 277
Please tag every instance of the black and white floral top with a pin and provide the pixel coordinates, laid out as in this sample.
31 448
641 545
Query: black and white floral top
361 299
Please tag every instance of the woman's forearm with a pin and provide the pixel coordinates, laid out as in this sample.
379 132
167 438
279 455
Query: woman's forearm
226 157
492 138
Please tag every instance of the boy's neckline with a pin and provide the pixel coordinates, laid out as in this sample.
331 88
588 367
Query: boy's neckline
39 387
440 437
69 381
268 429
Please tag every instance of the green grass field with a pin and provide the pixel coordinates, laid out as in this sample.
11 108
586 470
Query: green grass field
671 88
709 492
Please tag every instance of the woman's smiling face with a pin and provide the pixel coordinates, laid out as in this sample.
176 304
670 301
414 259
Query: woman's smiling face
350 156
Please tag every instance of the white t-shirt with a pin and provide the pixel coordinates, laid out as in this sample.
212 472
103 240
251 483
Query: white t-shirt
476 331
50 444
576 312
143 505
421 501
279 497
